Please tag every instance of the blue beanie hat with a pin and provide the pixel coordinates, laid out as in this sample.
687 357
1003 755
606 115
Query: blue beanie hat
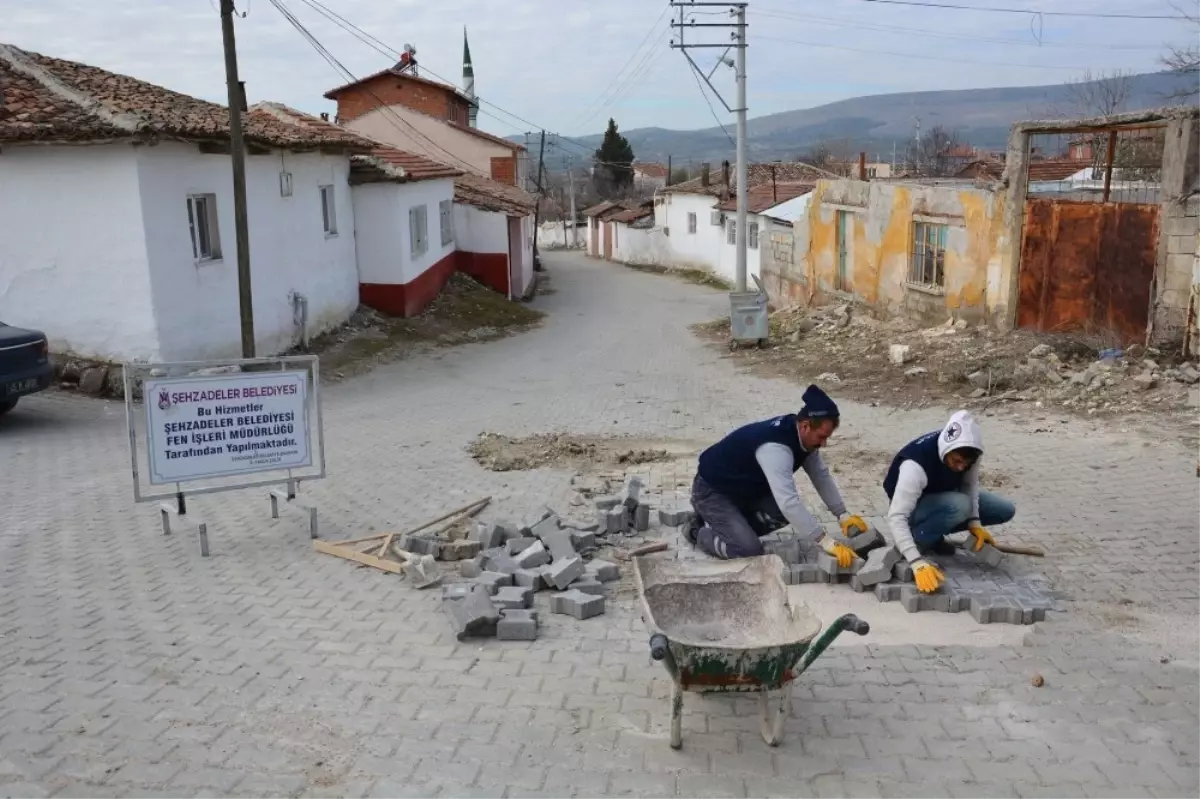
818 405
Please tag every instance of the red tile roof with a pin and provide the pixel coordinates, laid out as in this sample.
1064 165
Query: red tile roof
600 208
47 99
651 170
1055 169
760 198
982 168
639 211
756 175
491 195
382 163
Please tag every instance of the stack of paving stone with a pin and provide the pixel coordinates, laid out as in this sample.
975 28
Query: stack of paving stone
627 513
517 561
985 584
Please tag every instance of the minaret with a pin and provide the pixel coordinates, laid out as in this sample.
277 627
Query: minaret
469 82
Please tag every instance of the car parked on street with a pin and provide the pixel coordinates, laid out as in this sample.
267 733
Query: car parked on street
24 364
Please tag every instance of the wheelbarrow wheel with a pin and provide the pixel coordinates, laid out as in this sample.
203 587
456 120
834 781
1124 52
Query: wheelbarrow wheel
775 707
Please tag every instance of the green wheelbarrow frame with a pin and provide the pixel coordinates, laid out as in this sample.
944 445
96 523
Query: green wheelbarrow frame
768 670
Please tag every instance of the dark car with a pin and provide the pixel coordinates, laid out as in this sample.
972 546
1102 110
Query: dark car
24 364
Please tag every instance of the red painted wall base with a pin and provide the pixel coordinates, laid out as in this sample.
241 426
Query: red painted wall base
489 268
408 299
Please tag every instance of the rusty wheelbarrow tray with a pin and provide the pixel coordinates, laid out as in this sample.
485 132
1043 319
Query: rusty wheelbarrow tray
728 626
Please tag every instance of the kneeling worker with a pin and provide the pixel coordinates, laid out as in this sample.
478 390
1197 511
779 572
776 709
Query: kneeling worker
933 484
745 486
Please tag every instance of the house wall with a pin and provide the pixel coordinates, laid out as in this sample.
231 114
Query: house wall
727 263
482 238
196 305
1179 230
879 240
525 276
699 250
73 258
553 236
436 140
642 246
390 279
395 90
779 244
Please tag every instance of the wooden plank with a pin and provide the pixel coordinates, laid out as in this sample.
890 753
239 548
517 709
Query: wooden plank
358 557
473 509
387 543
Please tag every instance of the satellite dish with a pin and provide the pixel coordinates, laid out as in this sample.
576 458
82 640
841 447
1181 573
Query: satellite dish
408 48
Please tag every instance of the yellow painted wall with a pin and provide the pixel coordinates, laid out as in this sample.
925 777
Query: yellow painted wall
879 240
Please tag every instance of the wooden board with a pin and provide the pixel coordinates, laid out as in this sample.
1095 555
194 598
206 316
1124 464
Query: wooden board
358 557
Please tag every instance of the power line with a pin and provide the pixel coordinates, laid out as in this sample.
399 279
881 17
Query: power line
341 68
588 112
849 23
874 51
1033 11
711 110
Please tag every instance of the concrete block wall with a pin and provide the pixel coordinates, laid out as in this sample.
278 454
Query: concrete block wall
1181 234
786 284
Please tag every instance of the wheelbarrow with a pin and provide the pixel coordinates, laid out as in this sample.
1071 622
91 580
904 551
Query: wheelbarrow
722 626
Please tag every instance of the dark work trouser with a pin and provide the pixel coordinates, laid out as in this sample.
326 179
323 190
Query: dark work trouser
731 529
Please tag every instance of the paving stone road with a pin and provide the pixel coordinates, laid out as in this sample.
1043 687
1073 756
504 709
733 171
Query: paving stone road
131 666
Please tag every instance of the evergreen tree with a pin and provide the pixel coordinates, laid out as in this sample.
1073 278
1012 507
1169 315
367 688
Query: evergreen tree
613 170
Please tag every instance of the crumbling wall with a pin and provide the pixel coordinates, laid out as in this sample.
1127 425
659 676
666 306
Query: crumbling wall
786 285
1178 232
880 220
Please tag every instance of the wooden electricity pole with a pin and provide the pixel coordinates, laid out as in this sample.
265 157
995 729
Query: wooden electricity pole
237 150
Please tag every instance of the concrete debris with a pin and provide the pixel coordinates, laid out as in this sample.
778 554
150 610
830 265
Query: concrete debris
462 549
529 578
674 517
828 377
472 567
559 543
420 545
607 502
546 525
641 518
916 371
531 557
604 571
631 492
577 604
899 354
489 535
589 585
472 616
583 540
498 560
422 571
517 625
513 597
493 581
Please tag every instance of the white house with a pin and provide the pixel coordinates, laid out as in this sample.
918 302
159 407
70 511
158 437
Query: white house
699 216
493 223
649 176
116 218
596 229
635 239
403 221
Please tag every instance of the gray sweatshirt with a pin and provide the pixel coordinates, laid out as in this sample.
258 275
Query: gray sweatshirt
776 461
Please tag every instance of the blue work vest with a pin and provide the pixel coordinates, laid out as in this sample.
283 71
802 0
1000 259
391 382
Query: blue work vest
730 466
924 452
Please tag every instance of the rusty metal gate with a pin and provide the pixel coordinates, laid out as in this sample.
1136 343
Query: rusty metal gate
1087 266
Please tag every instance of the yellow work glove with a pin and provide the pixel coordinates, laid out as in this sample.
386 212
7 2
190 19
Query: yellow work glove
851 522
928 577
842 553
982 536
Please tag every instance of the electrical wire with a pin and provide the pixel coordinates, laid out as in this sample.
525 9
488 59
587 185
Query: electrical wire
589 113
873 51
341 68
708 103
849 23
1035 12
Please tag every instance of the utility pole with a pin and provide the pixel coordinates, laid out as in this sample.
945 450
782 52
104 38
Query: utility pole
737 41
237 150
668 169
571 189
537 209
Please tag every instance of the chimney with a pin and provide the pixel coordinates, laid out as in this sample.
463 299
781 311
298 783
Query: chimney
324 116
704 178
725 174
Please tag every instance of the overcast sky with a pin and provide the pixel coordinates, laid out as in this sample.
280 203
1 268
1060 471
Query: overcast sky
563 64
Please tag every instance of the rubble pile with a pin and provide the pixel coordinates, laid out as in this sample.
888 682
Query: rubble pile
897 361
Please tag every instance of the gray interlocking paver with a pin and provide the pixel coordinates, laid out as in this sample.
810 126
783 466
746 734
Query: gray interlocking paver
268 669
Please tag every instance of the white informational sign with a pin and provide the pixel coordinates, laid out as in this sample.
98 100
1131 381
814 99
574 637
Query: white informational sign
219 425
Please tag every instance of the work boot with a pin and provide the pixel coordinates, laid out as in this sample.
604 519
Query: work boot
692 528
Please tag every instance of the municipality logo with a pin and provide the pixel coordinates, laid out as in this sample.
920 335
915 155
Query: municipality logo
164 399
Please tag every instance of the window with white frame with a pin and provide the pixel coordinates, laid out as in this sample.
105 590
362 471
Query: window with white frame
202 223
927 261
691 222
446 213
418 230
732 230
328 211
752 233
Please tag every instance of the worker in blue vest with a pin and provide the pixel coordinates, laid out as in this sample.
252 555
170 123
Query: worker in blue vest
933 485
745 486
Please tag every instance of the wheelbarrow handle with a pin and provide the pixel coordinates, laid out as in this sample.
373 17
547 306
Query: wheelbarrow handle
842 623
658 646
854 624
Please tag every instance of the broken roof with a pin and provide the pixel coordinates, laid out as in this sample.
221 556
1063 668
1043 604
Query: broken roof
756 175
490 195
382 163
760 198
628 214
1056 169
48 100
600 208
650 170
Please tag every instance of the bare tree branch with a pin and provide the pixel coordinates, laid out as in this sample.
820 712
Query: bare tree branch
1185 60
1104 94
933 154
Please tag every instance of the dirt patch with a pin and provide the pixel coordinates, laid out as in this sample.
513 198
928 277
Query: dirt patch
697 276
896 362
506 454
466 311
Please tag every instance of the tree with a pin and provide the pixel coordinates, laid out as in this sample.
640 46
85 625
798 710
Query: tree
1185 60
613 162
1097 95
932 155
680 175
821 155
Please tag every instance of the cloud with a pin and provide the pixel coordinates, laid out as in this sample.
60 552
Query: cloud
567 65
